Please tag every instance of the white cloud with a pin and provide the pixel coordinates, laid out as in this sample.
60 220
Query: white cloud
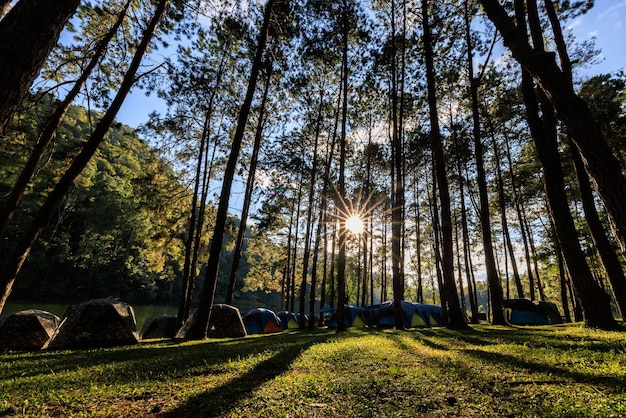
613 8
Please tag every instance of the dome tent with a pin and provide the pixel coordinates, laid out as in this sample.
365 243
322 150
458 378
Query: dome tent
225 322
261 321
94 324
526 312
432 314
352 317
27 330
412 317
163 326
291 320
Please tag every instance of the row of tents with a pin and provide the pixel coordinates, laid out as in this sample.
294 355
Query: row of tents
261 320
383 315
517 312
106 322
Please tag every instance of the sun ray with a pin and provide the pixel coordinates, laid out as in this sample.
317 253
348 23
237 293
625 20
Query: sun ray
355 213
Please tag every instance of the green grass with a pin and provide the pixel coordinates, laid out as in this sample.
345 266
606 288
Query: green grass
487 371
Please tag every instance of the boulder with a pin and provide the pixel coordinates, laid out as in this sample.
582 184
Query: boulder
27 330
96 323
163 326
225 322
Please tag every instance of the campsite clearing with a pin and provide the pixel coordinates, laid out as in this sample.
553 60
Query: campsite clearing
556 370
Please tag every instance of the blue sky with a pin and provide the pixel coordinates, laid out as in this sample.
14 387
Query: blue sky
606 22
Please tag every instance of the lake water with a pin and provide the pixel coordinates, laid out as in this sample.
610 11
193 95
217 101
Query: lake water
142 312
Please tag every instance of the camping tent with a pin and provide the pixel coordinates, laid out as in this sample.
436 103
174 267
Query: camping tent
526 312
261 321
163 326
225 322
352 317
432 314
291 320
412 317
27 330
96 323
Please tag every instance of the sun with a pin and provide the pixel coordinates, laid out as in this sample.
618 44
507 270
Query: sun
355 224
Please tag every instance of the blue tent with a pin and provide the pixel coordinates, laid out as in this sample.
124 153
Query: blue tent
261 321
432 314
411 317
352 317
291 320
526 312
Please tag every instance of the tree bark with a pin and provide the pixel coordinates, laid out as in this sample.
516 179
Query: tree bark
184 303
456 319
609 258
309 219
595 303
28 32
493 281
505 225
241 233
606 252
200 327
341 187
397 190
471 291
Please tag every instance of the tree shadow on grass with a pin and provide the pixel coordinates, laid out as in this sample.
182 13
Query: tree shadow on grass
612 383
222 399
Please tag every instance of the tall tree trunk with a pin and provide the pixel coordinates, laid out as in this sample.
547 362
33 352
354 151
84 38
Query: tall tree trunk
294 258
610 261
199 225
22 248
184 305
341 187
605 250
200 327
196 219
436 226
456 319
493 281
505 224
599 161
333 266
397 190
316 249
521 218
247 200
323 289
321 230
309 219
48 132
535 259
459 268
562 280
594 301
383 261
288 263
418 243
28 32
471 288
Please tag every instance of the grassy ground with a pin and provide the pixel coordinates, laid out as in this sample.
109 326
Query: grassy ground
487 371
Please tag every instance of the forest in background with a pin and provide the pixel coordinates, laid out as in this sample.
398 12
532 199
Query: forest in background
362 108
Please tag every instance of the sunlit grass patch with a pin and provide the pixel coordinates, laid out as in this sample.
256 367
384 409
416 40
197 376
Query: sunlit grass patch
486 371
